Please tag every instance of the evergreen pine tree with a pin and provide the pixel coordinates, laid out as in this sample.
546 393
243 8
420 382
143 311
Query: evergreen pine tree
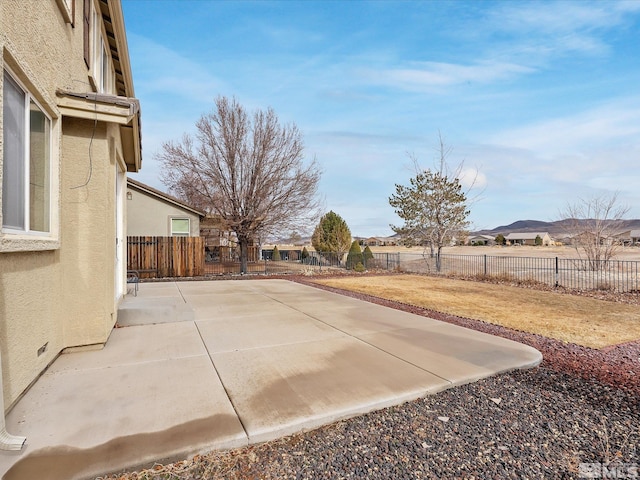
355 256
367 255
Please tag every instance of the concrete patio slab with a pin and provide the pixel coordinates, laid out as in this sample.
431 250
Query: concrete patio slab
137 344
448 354
228 306
283 389
265 358
81 423
369 318
262 330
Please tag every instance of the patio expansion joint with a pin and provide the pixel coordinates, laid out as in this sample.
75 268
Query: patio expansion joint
344 332
226 392
119 365
180 292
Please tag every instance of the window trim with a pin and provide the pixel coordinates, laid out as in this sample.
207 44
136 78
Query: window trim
67 8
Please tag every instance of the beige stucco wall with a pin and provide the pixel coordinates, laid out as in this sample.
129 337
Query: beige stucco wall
63 295
87 251
150 216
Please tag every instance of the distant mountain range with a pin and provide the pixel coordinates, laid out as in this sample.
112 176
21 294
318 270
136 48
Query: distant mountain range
553 228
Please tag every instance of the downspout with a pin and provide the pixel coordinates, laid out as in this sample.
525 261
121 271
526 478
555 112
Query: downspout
7 441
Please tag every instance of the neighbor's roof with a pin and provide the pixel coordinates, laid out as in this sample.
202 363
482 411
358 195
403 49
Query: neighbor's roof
485 237
134 184
526 235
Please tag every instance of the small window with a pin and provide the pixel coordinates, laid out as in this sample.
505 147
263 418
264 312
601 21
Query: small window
180 227
26 183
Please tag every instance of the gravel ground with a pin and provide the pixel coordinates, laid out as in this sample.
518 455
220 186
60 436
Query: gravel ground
580 406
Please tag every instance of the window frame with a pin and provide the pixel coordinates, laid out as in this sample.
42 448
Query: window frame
101 70
25 239
67 8
171 230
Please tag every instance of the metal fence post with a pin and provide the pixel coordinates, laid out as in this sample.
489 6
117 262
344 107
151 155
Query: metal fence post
557 273
485 265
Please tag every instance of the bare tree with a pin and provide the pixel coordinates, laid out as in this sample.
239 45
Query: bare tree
433 206
592 224
249 170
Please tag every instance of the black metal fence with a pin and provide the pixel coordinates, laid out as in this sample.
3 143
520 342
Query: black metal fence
571 273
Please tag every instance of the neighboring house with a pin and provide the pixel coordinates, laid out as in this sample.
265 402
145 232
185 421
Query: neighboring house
481 240
70 129
528 238
629 237
381 241
153 213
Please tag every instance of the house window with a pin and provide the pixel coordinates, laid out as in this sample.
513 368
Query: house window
97 56
180 227
26 189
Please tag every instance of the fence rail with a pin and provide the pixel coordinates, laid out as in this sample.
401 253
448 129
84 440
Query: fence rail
166 256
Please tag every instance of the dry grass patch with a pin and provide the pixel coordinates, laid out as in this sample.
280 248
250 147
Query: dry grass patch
581 320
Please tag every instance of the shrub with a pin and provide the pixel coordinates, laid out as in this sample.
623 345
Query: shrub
368 255
275 256
355 256
305 254
359 267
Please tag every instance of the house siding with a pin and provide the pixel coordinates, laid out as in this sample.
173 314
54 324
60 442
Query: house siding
148 215
59 292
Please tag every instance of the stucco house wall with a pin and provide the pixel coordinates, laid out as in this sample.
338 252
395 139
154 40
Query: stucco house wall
61 289
150 212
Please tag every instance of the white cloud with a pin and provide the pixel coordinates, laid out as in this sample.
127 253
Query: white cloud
611 124
429 75
472 178
538 33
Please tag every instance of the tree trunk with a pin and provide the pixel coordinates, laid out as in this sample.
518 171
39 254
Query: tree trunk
243 240
438 258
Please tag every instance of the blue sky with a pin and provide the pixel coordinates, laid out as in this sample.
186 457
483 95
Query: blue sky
541 98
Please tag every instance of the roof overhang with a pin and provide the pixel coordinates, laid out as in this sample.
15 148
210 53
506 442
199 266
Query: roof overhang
123 111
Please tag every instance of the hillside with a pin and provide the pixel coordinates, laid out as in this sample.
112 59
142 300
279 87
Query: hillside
554 228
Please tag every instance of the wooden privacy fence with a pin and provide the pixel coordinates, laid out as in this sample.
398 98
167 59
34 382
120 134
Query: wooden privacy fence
166 256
